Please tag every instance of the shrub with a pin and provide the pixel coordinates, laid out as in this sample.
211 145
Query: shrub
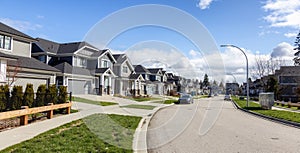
16 97
63 95
7 97
40 96
28 96
51 94
2 99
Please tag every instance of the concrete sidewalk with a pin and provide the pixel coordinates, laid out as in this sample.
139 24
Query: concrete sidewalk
22 133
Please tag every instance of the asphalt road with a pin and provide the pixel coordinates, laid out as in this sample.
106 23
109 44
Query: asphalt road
213 125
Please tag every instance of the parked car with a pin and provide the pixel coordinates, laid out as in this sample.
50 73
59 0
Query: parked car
227 97
185 99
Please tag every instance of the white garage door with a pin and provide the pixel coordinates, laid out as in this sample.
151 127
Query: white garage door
77 86
24 81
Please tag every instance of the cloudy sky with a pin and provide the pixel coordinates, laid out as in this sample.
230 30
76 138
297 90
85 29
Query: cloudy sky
183 38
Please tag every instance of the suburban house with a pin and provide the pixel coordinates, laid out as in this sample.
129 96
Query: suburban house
126 81
289 81
148 87
232 88
84 68
156 76
17 66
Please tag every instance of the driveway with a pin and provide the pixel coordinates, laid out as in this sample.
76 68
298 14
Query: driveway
214 125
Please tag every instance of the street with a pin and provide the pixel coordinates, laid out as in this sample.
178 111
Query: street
214 125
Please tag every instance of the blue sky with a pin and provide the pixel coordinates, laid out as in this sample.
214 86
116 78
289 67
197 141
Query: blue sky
259 26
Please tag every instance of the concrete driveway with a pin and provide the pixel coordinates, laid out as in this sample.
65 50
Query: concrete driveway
192 128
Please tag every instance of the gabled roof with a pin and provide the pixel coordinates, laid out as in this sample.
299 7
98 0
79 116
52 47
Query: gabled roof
43 45
30 63
67 68
135 76
7 29
154 70
121 58
140 69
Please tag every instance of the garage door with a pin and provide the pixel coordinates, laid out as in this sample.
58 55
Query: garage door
76 86
24 81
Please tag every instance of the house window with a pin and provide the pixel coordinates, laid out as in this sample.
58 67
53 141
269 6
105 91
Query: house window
5 42
105 64
81 62
125 69
42 58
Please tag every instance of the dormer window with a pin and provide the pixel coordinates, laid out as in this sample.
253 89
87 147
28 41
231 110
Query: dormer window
105 64
5 42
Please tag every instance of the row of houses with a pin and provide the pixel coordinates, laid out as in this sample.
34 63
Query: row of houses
285 82
83 68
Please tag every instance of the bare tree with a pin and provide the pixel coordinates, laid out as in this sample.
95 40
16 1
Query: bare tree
11 73
265 66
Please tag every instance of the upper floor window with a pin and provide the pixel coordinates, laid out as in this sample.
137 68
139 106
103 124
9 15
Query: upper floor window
81 62
125 69
42 58
105 64
5 42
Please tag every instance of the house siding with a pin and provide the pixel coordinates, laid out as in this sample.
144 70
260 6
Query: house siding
21 48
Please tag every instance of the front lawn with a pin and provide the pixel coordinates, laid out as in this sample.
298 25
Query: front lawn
101 103
143 99
95 133
169 101
148 107
285 115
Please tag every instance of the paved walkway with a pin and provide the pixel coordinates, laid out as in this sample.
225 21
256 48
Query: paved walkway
22 133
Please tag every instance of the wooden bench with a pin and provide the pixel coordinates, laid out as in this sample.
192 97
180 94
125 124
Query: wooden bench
25 111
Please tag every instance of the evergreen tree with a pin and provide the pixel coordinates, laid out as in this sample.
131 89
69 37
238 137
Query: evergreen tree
2 99
63 95
297 48
51 94
205 81
7 97
16 97
28 97
40 95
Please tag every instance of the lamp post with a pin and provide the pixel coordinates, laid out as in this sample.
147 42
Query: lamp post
246 69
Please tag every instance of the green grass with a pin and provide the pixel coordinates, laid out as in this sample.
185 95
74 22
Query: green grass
285 106
101 103
285 115
95 133
143 99
148 107
169 101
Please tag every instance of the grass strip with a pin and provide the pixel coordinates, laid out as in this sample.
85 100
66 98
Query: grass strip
101 103
95 133
143 99
285 115
148 107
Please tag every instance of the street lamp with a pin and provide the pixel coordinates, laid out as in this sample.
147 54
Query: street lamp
246 69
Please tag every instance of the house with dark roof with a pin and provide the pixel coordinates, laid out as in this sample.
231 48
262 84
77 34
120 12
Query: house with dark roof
84 68
126 82
17 66
156 76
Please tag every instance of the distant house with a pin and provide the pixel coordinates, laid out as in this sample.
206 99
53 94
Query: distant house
289 82
17 66
232 88
156 76
127 82
84 68
148 87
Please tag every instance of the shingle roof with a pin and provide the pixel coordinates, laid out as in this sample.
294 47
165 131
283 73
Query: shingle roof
140 69
120 58
67 68
31 63
134 76
7 56
7 29
57 48
154 70
101 70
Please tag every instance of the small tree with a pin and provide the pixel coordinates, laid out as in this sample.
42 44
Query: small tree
7 97
63 95
16 97
40 96
51 94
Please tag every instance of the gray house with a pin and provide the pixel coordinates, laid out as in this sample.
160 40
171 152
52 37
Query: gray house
17 66
84 68
156 76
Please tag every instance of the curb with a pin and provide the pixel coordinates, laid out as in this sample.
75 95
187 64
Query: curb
140 146
273 119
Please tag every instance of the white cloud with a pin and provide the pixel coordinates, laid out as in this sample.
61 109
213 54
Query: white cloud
283 50
283 13
194 53
23 26
204 4
290 35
